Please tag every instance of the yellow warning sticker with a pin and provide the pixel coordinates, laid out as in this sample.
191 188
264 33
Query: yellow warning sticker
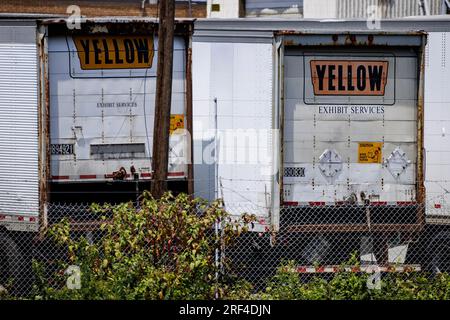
176 122
370 152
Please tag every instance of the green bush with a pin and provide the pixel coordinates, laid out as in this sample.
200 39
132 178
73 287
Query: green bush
167 248
346 285
413 286
163 250
287 285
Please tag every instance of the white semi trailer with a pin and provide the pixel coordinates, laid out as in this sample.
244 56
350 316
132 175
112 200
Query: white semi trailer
357 123
76 120
333 114
102 84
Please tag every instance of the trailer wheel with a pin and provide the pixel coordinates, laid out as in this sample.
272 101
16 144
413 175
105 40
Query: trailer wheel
439 250
10 264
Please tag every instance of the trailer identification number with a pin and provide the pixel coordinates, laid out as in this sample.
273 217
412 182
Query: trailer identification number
370 152
62 149
349 77
114 52
294 172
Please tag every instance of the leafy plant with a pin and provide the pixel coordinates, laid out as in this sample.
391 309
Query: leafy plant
285 284
352 285
165 249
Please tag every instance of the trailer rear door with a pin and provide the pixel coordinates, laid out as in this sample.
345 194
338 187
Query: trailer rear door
102 105
350 123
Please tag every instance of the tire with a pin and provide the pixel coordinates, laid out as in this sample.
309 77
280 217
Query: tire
11 265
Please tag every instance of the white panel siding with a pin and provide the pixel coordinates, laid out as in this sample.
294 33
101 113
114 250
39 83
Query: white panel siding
437 121
239 76
19 185
351 9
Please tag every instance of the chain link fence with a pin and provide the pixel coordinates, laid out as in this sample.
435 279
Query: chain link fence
320 239
317 238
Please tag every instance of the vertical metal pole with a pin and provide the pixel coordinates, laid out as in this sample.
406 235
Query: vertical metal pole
216 152
137 193
163 97
216 191
217 258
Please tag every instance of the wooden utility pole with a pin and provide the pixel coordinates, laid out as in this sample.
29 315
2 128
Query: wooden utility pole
163 97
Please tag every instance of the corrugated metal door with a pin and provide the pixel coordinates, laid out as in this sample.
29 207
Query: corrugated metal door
19 187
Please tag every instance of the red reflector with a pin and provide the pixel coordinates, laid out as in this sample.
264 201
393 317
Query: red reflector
437 205
290 203
60 177
20 218
32 219
379 203
88 176
301 269
314 204
2 217
405 203
175 174
320 269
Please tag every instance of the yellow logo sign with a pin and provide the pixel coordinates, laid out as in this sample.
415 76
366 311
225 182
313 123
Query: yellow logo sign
114 52
349 78
176 122
370 152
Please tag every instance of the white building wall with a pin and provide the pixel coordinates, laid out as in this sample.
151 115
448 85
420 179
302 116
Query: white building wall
360 9
228 9
320 9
